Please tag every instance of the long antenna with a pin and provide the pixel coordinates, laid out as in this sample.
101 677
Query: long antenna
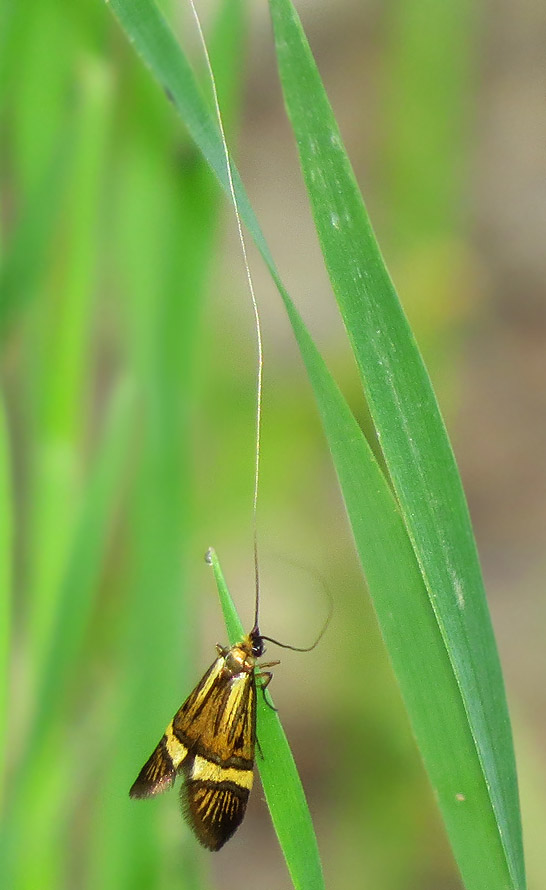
260 362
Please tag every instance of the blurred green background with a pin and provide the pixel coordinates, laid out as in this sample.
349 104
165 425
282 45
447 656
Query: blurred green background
128 376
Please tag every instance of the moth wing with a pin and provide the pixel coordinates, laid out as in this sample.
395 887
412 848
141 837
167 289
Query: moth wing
211 739
218 778
159 772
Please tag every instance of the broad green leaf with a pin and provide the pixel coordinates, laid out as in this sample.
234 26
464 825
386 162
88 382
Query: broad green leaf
412 437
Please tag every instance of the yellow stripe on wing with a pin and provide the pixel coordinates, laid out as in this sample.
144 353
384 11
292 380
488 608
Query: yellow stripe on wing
204 771
175 749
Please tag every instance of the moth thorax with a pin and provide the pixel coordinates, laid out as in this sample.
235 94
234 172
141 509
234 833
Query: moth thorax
238 661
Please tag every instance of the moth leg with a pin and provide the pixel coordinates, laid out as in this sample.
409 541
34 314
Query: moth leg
267 664
266 677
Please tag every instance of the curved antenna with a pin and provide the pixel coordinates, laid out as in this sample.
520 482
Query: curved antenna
257 322
318 639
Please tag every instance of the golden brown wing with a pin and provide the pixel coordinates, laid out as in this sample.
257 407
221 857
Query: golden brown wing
211 740
218 719
159 771
221 734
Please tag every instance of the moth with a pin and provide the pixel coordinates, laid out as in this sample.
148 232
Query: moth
211 741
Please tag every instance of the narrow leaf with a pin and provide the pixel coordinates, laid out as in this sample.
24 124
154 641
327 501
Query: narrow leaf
410 430
6 526
281 783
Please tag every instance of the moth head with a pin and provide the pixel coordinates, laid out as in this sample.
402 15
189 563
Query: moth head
256 642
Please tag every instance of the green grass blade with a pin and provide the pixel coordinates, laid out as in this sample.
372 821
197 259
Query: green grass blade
164 243
410 631
34 91
281 782
61 356
226 49
31 237
29 823
412 435
425 102
86 553
154 41
5 588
